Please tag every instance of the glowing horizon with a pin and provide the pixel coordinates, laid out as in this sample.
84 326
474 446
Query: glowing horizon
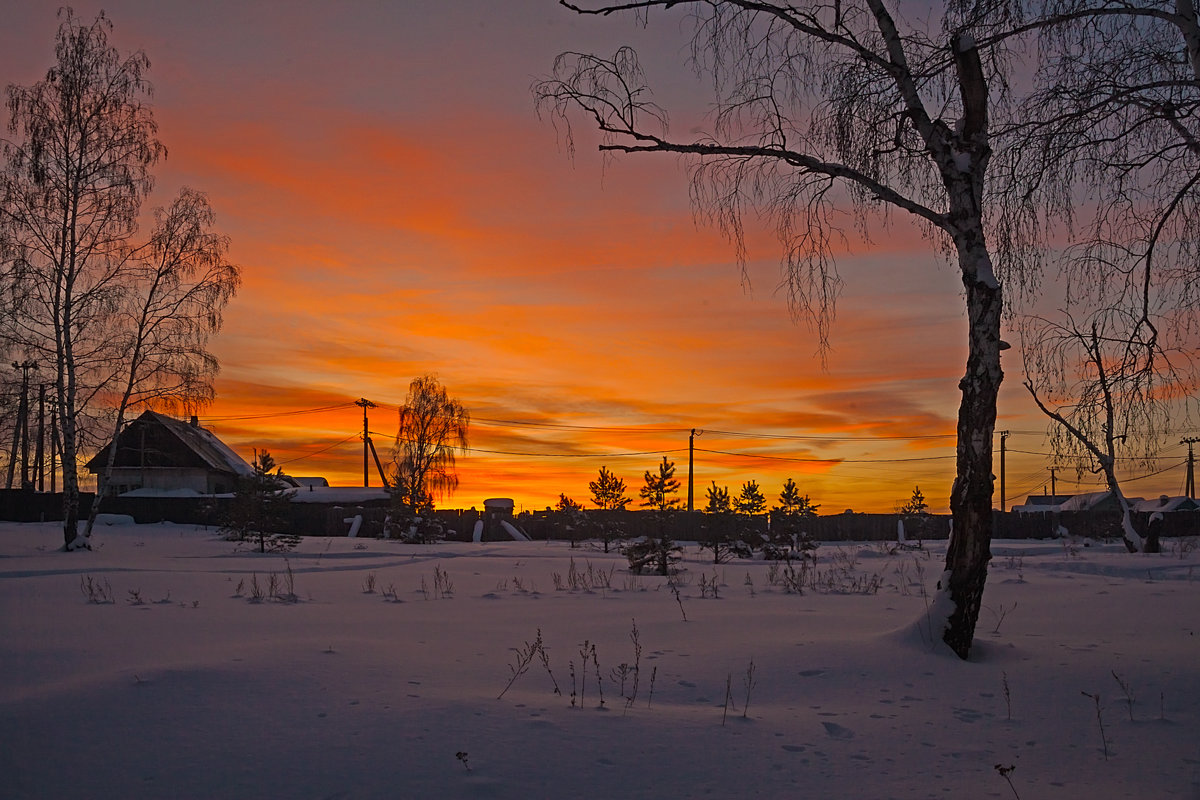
398 209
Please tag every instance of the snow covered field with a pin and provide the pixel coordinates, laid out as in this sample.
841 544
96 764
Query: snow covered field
183 686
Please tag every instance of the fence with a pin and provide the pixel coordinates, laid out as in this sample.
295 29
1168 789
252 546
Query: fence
327 519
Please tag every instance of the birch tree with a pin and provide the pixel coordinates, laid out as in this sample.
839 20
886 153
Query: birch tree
87 298
1115 118
176 289
433 429
835 115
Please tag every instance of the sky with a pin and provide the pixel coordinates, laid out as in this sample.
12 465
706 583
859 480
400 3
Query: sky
398 209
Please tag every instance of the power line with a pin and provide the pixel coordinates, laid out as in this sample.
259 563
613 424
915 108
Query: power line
742 434
827 460
715 452
1071 458
1152 474
680 430
318 452
580 455
273 414
566 455
565 426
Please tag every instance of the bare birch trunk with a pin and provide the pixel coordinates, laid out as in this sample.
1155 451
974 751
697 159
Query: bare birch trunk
971 497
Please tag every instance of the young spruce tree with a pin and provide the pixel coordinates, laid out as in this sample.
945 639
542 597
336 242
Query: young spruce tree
260 505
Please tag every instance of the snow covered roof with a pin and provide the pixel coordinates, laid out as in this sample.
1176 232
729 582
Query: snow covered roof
1079 502
1041 503
1046 499
203 444
346 495
1165 503
305 481
1083 502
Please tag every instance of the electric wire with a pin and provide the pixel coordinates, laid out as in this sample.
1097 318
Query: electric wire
718 433
827 460
318 452
273 414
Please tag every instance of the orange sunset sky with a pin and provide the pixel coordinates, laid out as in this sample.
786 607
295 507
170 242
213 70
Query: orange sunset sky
397 208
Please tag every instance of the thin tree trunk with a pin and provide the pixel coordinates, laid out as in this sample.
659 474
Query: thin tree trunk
971 497
70 475
105 475
1132 540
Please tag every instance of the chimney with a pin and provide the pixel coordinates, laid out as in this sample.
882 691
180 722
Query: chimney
195 421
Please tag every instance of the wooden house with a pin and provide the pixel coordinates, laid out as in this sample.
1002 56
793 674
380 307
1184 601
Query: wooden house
162 454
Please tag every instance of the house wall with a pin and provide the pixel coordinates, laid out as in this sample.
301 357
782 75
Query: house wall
201 481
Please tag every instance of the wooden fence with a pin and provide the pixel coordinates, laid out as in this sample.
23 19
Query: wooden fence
327 519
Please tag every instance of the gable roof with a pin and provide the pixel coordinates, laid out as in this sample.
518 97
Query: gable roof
1165 503
1075 502
194 447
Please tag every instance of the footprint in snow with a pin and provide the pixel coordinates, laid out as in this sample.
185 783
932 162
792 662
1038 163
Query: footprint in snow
835 731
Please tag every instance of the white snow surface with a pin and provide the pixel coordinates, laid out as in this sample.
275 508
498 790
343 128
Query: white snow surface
198 691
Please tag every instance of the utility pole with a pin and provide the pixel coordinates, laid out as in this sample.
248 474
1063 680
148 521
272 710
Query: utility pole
53 445
22 425
691 450
39 461
1190 486
364 403
12 456
1003 442
1053 482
